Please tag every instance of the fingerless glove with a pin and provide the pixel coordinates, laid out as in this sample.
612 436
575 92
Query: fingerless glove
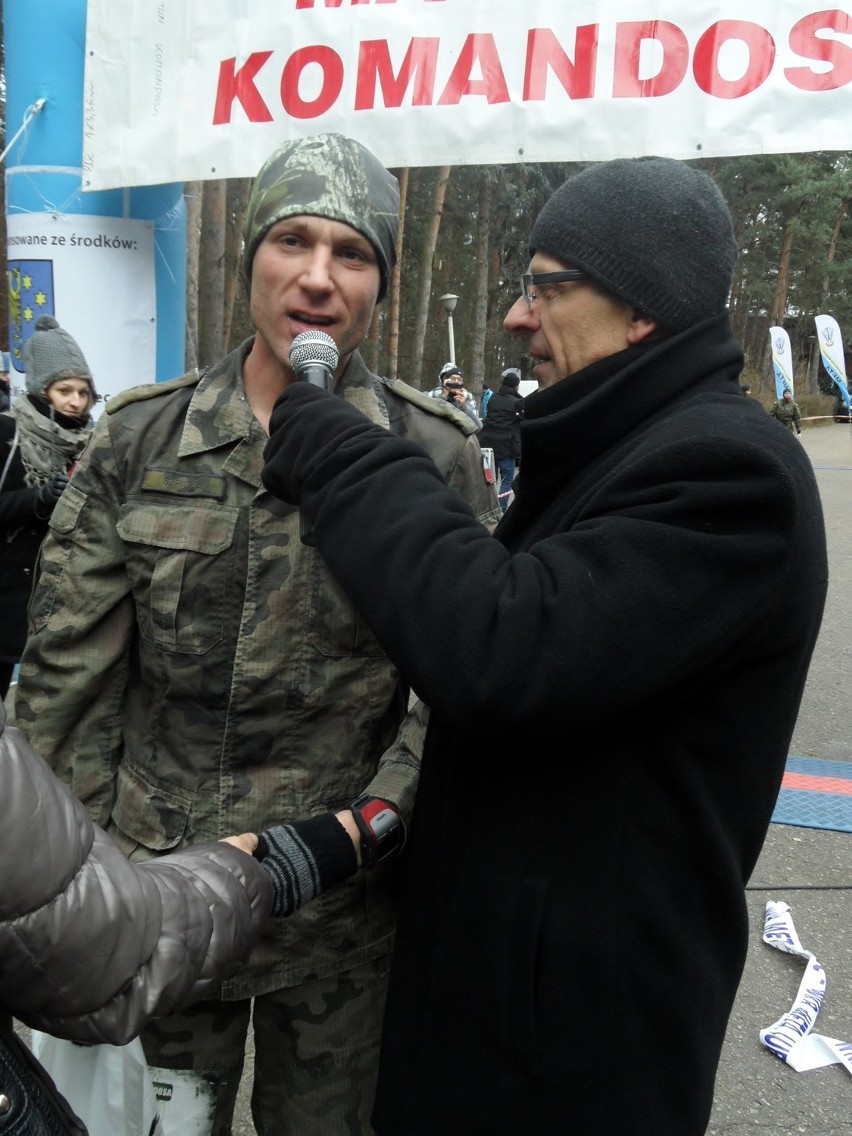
304 859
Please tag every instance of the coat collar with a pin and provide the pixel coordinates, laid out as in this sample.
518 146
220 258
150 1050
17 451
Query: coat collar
569 426
571 422
220 415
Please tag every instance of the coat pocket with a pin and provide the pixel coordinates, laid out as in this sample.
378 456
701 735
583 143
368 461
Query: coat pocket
146 819
488 964
54 555
180 565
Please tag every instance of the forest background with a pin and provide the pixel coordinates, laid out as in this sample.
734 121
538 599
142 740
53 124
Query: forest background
463 232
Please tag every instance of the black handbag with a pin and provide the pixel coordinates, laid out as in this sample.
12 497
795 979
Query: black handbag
30 1104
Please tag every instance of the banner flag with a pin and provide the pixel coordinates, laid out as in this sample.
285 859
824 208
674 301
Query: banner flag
184 90
831 350
782 360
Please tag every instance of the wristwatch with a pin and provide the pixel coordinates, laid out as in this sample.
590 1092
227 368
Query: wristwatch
382 831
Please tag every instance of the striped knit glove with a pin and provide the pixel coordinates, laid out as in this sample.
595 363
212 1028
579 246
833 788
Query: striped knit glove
304 859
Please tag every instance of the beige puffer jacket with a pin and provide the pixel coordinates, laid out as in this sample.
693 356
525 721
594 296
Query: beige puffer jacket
93 946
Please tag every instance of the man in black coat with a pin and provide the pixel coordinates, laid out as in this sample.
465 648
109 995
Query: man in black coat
595 789
502 430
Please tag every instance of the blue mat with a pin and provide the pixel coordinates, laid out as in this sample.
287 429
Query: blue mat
816 794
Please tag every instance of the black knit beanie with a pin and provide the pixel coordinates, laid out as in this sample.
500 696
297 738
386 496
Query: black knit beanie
654 231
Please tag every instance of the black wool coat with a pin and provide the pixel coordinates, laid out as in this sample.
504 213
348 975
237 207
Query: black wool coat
502 427
627 656
21 534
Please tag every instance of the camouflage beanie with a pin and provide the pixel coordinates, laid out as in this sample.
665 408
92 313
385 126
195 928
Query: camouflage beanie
51 353
325 176
653 231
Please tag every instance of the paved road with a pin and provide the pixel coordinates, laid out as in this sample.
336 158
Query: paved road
809 869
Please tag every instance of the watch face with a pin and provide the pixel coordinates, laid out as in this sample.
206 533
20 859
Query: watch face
382 831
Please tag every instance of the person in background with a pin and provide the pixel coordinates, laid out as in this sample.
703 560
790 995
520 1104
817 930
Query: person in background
5 389
594 791
451 389
41 437
484 399
162 934
746 389
502 431
786 411
194 669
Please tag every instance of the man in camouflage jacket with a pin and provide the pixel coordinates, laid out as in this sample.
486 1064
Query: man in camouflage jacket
787 412
194 670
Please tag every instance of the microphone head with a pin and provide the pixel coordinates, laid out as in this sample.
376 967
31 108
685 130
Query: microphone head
313 347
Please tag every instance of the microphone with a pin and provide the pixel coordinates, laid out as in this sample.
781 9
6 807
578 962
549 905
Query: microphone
313 358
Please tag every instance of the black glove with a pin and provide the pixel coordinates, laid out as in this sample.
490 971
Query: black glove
49 493
304 859
308 425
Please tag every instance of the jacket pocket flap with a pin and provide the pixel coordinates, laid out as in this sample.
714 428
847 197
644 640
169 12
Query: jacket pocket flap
64 517
196 528
148 814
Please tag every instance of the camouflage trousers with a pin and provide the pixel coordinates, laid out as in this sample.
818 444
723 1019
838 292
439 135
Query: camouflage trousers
316 1053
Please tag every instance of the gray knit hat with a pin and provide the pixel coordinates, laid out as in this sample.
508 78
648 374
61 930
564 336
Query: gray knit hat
325 176
50 354
654 231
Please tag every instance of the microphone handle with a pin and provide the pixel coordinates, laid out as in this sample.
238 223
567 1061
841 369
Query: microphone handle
318 375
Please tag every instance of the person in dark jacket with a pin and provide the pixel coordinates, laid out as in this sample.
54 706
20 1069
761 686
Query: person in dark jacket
41 438
573 926
5 389
92 947
502 431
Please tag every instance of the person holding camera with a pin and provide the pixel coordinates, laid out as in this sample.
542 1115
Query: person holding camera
451 389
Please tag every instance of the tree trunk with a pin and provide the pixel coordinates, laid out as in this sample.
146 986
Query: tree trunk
371 344
782 284
782 281
832 246
192 193
483 259
211 274
238 190
426 260
393 289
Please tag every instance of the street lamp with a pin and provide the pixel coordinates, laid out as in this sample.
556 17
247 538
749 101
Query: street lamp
449 302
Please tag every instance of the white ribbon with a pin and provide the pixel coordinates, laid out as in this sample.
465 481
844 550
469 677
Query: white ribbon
791 1037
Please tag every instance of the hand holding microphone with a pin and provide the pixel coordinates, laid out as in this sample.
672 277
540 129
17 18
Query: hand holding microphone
313 359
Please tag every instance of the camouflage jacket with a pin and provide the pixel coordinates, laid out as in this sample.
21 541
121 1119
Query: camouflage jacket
194 670
788 414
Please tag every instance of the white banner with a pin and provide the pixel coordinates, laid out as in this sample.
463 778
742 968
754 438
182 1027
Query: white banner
831 351
180 90
782 360
96 276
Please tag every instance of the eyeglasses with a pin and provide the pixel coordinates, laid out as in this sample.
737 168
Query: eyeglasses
530 280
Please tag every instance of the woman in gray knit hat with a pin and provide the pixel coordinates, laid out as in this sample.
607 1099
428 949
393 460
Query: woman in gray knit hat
41 438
